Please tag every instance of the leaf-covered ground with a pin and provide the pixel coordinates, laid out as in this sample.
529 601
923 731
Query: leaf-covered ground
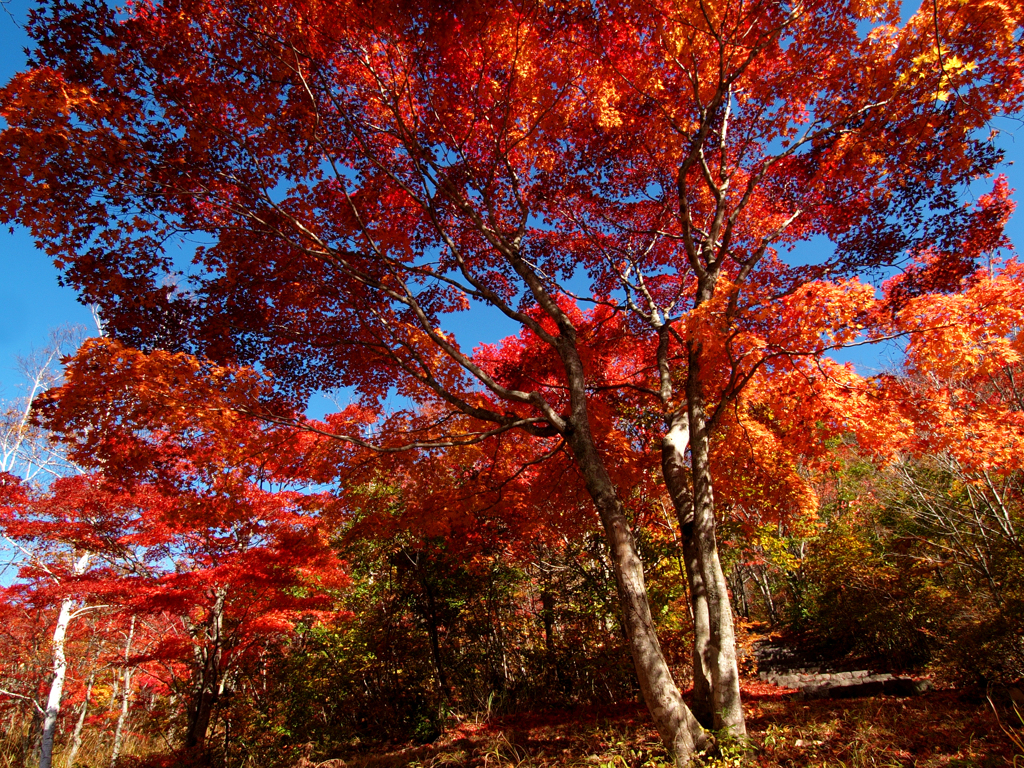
939 729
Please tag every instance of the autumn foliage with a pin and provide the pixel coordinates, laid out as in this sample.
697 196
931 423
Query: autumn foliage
270 202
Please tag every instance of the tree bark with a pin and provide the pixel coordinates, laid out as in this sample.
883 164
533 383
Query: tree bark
721 651
60 669
207 690
680 731
674 470
126 690
432 629
76 738
547 615
738 585
761 579
122 716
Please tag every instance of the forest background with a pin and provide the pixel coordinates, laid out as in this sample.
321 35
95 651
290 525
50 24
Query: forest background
874 571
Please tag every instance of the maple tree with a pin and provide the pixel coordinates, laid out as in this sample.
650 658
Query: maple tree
224 537
358 174
958 478
24 450
197 523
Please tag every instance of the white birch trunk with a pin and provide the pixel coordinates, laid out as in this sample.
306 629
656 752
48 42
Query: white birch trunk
60 668
76 739
126 692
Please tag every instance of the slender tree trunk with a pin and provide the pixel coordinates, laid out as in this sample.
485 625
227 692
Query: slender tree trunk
208 687
126 690
76 738
547 615
761 579
60 669
738 581
119 731
432 632
721 651
554 674
674 470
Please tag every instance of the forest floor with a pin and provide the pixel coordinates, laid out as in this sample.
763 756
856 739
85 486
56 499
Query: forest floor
939 728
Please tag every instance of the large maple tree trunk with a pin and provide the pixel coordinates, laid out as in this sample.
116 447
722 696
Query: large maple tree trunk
674 470
199 721
721 649
680 731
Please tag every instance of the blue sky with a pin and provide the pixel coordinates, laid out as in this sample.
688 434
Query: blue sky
32 302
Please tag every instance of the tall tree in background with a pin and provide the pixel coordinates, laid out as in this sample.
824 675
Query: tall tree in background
361 173
24 448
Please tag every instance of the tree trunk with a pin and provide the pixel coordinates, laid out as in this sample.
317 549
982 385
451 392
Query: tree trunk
721 651
679 729
761 579
547 615
126 690
674 470
207 689
738 585
199 720
76 738
119 731
60 669
432 630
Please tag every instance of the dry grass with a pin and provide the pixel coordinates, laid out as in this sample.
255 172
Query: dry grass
939 729
19 744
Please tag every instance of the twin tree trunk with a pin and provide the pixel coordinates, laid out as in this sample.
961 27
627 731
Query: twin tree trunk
682 732
674 470
716 677
720 650
716 682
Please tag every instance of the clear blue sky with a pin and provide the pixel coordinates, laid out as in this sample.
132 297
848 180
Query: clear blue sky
32 302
